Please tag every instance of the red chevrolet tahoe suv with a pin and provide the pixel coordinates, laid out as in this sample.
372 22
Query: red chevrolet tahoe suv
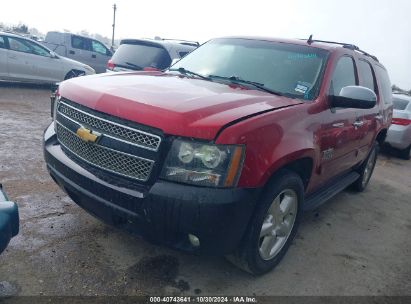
222 152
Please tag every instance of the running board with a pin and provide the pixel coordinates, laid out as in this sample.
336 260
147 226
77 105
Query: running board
320 197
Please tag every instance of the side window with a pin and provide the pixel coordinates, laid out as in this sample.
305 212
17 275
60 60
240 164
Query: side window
38 50
344 75
18 45
78 42
27 46
366 76
182 54
385 84
2 43
98 47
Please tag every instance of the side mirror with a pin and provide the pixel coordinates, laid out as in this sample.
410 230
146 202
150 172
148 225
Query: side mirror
53 55
354 97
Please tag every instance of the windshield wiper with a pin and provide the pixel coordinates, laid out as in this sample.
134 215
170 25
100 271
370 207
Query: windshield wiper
187 72
236 79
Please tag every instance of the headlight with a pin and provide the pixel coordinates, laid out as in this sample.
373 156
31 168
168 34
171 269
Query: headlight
203 164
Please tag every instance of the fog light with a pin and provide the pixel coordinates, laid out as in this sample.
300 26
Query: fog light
195 241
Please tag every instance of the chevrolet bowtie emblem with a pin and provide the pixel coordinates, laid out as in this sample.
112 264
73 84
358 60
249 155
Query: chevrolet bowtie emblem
87 135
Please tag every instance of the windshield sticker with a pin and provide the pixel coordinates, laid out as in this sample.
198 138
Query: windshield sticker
301 87
297 56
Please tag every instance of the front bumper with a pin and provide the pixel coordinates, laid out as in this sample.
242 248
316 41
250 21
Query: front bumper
9 220
165 213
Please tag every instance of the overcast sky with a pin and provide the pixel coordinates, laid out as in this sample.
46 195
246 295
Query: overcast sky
380 27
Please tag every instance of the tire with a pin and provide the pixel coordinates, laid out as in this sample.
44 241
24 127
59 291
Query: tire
262 249
405 153
366 170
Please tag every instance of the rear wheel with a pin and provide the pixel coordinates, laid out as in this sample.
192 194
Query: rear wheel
273 226
366 170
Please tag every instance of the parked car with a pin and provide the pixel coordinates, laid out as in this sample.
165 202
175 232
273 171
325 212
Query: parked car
221 153
9 220
25 60
399 133
137 54
86 50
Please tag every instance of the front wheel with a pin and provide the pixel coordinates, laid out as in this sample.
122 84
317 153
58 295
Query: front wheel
366 170
273 226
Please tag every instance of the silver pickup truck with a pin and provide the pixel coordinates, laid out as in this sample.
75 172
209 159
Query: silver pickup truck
80 48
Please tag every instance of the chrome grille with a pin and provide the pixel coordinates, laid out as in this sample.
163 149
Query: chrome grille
105 158
110 128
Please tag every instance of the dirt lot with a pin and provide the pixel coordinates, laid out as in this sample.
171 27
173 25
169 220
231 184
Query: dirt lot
357 244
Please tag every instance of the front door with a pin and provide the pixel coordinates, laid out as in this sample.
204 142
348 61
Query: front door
339 131
100 56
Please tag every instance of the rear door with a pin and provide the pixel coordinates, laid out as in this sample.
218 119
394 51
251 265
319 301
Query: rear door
80 49
385 94
100 55
369 117
4 73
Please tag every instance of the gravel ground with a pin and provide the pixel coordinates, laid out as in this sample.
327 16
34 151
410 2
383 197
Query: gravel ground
357 244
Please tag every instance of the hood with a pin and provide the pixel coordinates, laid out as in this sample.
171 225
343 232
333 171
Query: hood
175 104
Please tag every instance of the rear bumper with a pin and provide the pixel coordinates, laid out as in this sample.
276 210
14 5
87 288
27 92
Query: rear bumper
165 213
9 220
399 136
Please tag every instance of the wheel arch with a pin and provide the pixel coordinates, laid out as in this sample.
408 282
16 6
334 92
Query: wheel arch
77 72
302 166
380 138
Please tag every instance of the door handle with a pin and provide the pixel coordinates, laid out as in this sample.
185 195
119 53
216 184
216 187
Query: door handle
93 56
12 56
338 125
358 123
72 52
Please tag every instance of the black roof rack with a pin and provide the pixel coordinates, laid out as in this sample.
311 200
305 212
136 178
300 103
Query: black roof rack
184 42
344 45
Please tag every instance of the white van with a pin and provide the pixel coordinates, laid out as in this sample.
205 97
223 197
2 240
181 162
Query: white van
86 50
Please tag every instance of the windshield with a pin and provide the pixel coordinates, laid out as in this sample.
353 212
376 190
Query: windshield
139 56
292 70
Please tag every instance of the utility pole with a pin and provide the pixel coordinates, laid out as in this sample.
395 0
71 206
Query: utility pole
114 25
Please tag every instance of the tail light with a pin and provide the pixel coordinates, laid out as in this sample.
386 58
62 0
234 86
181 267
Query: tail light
401 121
110 65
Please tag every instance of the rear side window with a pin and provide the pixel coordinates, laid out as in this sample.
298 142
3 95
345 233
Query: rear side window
81 43
344 75
138 56
2 43
366 75
182 54
385 84
400 104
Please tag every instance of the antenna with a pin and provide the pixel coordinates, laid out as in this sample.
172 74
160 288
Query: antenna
310 39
